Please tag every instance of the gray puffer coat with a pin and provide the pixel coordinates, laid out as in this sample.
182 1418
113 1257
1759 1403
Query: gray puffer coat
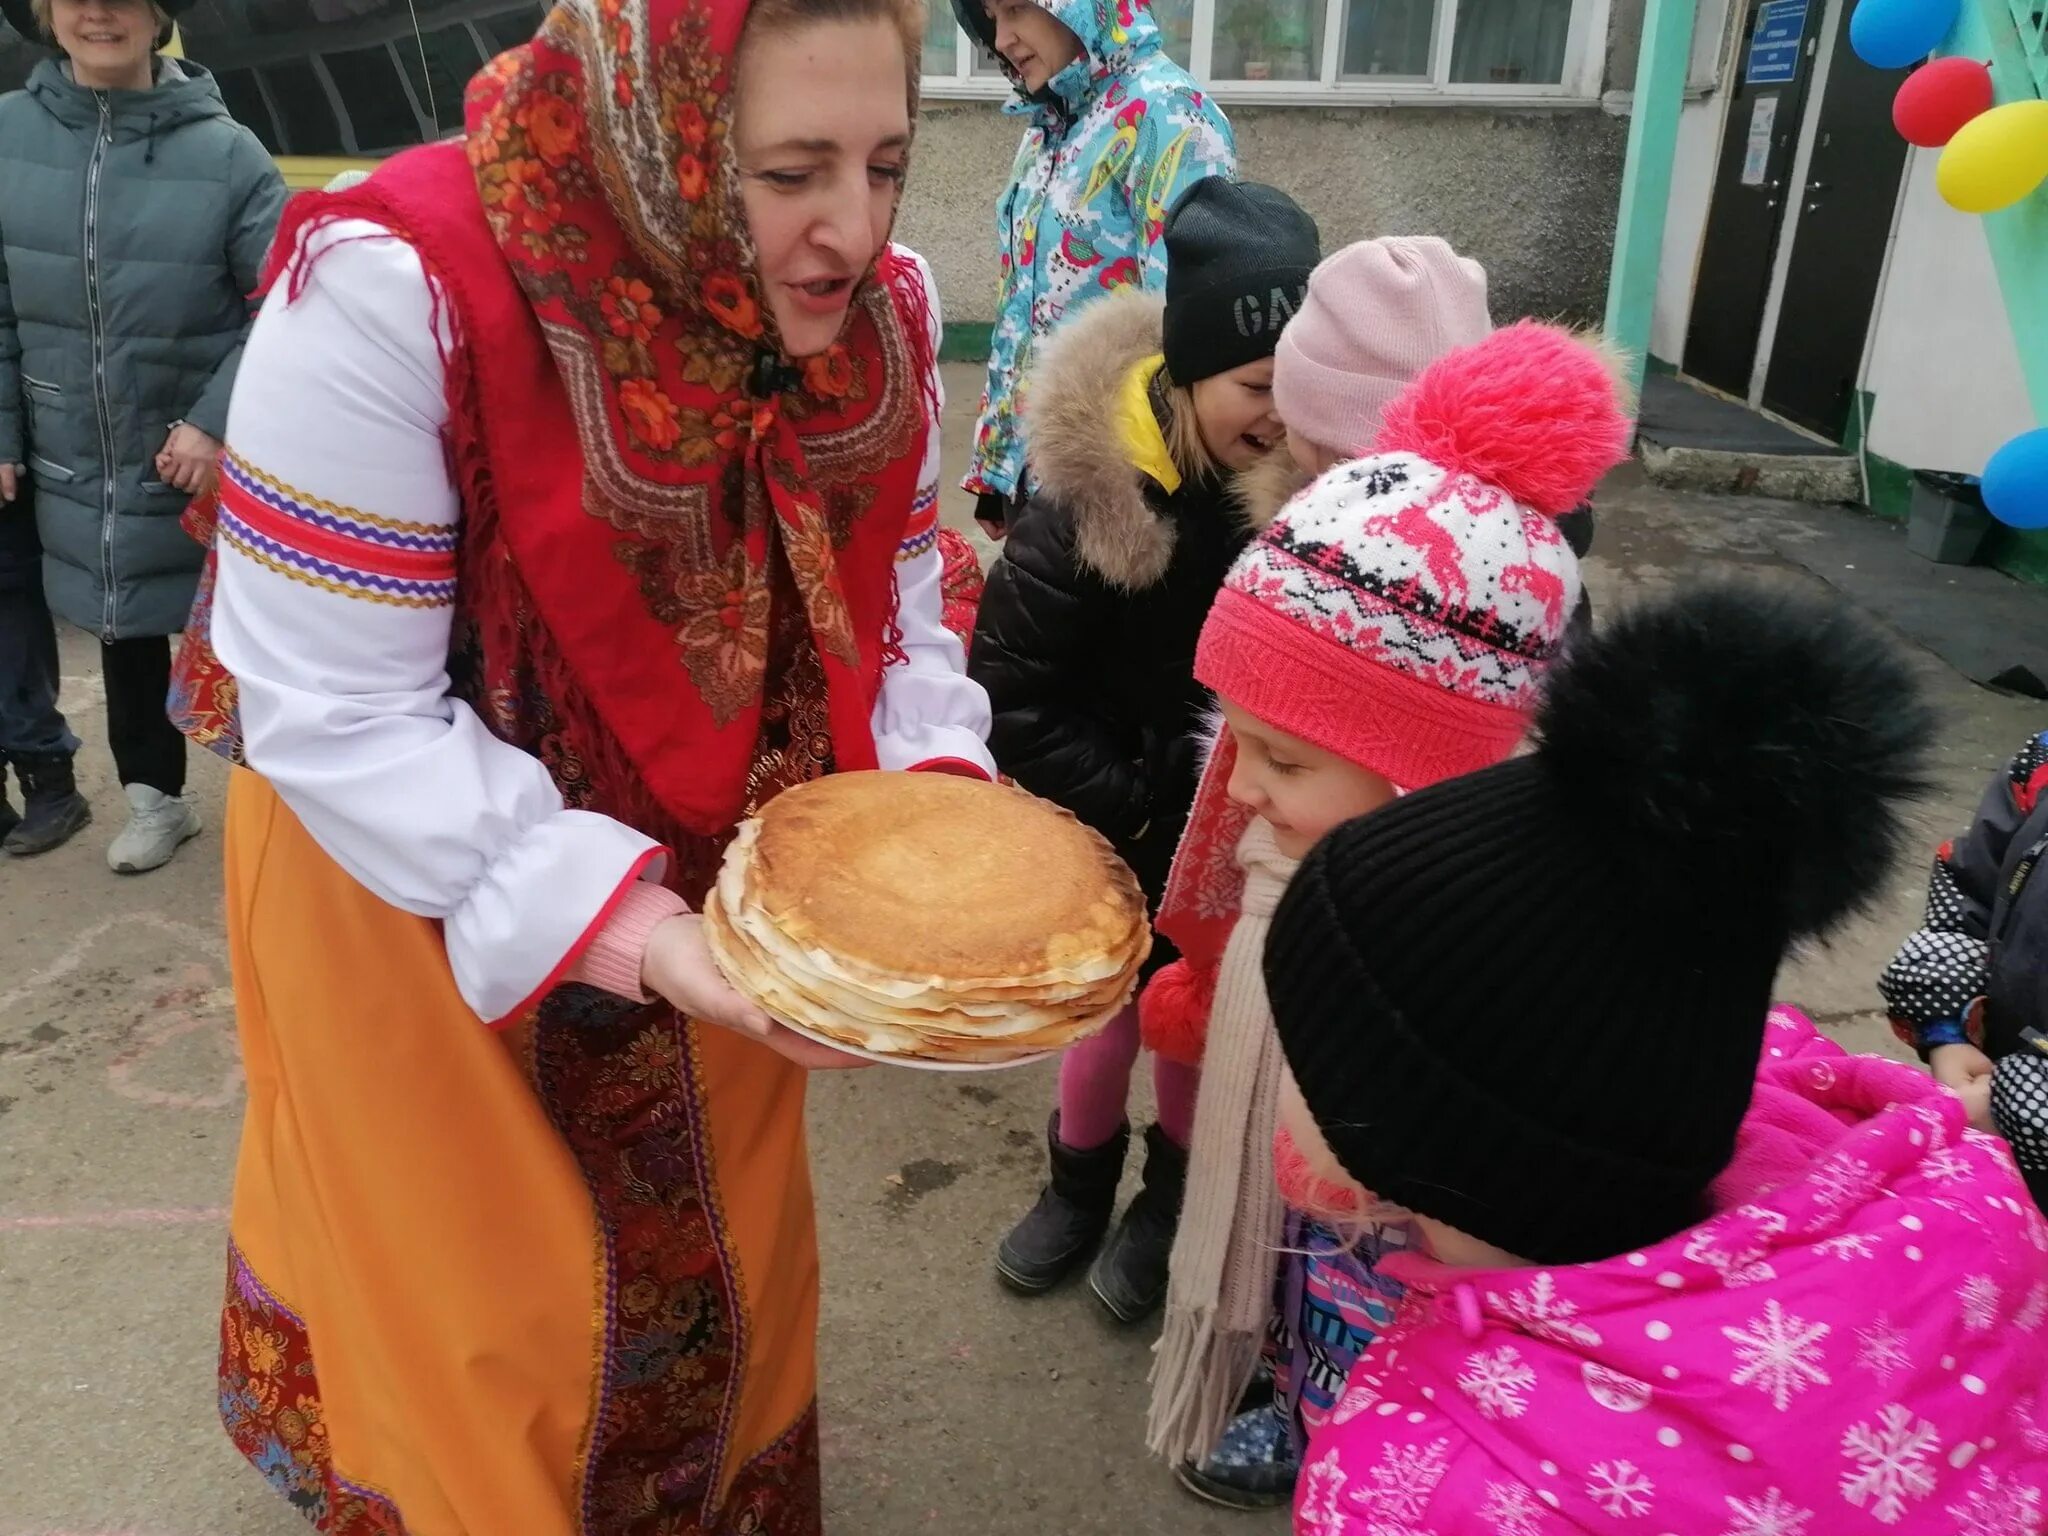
133 226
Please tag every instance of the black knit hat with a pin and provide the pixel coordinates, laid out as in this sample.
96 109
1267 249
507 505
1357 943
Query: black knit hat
1238 256
1529 1002
19 15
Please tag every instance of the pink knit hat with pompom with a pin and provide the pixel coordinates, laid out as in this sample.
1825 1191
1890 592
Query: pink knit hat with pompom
1402 610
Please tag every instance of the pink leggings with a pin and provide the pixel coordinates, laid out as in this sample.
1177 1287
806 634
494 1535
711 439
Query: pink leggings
1095 1079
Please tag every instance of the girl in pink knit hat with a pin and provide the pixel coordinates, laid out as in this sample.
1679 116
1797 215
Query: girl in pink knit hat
1390 628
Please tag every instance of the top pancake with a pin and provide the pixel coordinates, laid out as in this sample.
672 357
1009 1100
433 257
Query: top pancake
943 879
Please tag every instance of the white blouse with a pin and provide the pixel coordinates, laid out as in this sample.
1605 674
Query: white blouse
333 608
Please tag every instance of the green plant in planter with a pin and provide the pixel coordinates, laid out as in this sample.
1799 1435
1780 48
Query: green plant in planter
1252 30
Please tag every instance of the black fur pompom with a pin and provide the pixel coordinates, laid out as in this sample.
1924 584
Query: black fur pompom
1745 743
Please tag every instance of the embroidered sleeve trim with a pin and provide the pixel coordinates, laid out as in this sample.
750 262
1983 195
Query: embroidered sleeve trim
922 532
335 548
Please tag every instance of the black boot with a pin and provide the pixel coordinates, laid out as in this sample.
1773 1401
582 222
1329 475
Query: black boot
52 808
10 818
1057 1234
1129 1277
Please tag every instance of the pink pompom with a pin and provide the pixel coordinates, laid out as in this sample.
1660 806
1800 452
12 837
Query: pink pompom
1532 410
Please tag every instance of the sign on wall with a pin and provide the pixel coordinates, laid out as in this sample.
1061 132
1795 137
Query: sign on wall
1774 46
1756 154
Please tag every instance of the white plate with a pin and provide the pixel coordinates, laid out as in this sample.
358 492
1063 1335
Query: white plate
920 1063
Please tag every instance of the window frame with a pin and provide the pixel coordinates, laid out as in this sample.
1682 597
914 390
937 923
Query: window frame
1584 72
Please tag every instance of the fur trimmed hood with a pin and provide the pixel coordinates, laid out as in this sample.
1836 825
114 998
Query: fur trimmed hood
1077 454
1261 491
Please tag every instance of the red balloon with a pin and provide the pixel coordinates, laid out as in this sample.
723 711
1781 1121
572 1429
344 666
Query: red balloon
1939 98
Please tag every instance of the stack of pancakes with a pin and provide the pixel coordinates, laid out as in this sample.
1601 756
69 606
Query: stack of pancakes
928 917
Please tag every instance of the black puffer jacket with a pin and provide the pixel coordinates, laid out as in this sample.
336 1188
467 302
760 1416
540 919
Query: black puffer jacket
1086 636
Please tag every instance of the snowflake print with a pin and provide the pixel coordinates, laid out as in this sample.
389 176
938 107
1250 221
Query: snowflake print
2030 1427
2034 1311
1890 1457
1998 1508
1979 1296
1841 1182
1495 1380
1361 1394
1321 1486
1778 1353
1513 1510
1541 1311
1619 1489
1743 1264
1945 1165
1771 1515
1850 1245
1405 1480
1882 1349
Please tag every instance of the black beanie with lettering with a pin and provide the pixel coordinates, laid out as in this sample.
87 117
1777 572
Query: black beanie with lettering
1238 256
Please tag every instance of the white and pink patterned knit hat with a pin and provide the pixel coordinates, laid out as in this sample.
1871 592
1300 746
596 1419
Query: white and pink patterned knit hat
1401 611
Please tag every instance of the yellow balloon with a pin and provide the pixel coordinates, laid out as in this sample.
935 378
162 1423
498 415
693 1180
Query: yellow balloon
1995 159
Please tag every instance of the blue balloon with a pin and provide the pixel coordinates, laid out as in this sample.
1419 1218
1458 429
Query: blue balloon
2016 481
1897 34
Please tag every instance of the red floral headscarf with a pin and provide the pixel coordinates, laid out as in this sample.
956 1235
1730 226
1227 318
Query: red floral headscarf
602 151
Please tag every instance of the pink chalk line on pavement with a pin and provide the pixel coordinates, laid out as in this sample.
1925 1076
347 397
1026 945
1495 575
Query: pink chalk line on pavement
114 1221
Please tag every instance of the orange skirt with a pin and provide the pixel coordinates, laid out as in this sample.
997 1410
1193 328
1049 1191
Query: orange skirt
557 1280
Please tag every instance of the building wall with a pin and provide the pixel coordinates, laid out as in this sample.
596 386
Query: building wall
1685 223
1529 194
1944 370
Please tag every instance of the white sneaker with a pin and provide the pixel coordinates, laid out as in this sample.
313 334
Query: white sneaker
157 825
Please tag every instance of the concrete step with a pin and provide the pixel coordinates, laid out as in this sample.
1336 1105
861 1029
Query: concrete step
1723 472
1692 439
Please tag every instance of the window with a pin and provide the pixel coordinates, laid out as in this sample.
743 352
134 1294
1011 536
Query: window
1510 42
440 65
373 95
304 112
1305 51
1268 40
943 41
509 29
245 103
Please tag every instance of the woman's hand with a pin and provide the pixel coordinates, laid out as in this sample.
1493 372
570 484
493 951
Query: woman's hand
189 460
10 482
678 966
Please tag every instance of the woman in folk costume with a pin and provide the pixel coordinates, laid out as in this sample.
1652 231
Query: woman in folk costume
562 507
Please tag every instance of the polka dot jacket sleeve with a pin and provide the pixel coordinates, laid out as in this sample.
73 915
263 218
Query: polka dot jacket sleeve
1941 969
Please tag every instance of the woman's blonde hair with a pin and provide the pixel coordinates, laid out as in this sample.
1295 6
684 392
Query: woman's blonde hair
1183 433
40 9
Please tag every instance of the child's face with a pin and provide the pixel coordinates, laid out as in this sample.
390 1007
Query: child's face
1300 790
1324 1189
1312 458
1332 1195
1234 412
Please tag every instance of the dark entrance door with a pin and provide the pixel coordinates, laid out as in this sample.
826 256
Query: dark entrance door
1750 197
1852 188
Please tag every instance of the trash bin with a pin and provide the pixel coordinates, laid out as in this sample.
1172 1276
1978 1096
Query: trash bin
1946 521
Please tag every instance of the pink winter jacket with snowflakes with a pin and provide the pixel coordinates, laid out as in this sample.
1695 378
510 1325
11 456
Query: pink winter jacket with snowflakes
1854 1344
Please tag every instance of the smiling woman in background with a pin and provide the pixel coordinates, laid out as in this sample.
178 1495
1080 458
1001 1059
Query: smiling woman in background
134 217
568 516
1115 132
